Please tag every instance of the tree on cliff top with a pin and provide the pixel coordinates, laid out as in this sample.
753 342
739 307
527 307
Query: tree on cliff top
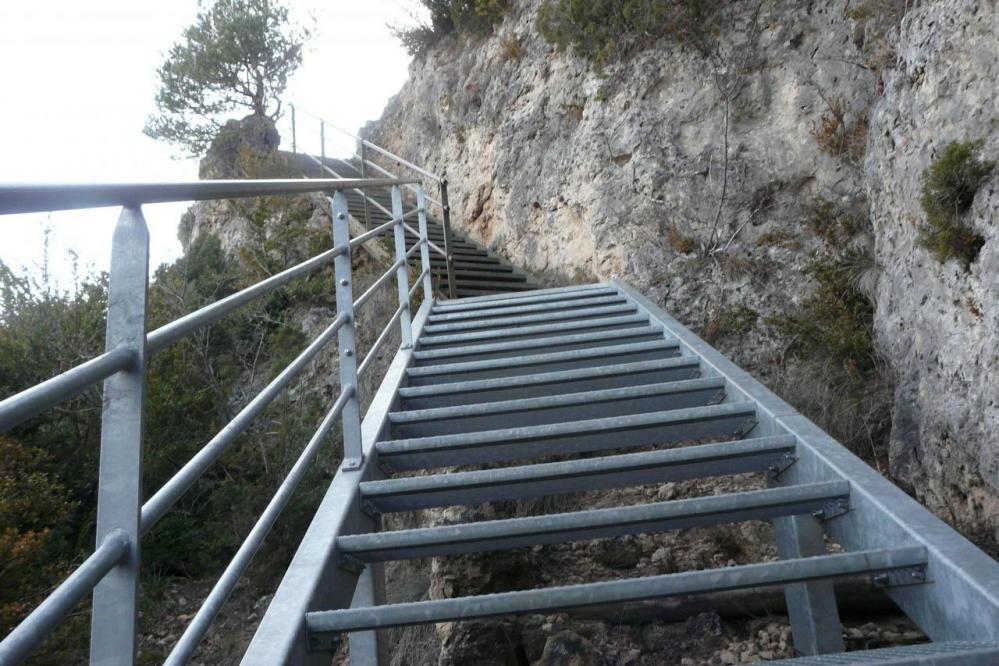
238 54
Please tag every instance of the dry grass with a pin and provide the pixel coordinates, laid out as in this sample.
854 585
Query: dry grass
839 138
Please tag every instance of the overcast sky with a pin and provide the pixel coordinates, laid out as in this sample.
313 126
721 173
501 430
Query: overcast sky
79 79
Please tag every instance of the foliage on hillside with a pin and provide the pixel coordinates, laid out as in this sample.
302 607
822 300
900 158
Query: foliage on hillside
48 465
475 17
608 30
949 188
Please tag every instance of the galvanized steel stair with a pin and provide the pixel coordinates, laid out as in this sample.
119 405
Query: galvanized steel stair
477 270
597 370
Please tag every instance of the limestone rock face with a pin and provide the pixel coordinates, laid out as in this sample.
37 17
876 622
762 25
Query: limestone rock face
578 176
697 179
937 323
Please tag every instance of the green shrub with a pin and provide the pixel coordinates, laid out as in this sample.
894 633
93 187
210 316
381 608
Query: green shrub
603 31
476 17
949 187
836 321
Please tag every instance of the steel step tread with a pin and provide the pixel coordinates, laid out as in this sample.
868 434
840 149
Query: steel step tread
537 318
550 599
944 653
595 301
715 385
542 291
542 359
509 280
550 330
726 420
556 379
450 540
458 265
539 296
466 275
570 476
558 341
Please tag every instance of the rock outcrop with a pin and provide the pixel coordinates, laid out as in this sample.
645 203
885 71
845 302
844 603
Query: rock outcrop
721 186
939 323
578 176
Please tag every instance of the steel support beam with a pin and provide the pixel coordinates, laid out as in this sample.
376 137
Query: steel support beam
119 488
618 591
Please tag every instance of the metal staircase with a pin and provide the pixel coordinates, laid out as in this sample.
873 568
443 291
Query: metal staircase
477 270
553 391
599 370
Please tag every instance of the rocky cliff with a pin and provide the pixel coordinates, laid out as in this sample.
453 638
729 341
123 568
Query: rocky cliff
728 180
765 186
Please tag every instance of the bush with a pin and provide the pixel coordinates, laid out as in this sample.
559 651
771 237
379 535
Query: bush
836 321
48 465
949 187
476 17
603 31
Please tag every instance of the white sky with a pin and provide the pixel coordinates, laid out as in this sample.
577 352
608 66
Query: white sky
78 81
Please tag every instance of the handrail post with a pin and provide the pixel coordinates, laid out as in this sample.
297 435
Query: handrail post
119 489
452 288
293 144
364 172
353 453
402 270
421 214
322 146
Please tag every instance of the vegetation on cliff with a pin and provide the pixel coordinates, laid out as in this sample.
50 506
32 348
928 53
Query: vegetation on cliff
475 17
949 188
48 465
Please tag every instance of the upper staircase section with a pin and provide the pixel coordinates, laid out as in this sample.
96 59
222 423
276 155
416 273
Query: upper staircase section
477 270
474 269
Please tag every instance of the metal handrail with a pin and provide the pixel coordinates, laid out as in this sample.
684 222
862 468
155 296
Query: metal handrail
188 643
373 146
171 491
34 198
440 180
123 366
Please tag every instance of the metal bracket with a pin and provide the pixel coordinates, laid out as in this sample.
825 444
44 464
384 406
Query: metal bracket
350 563
900 577
370 510
352 464
832 510
325 641
781 464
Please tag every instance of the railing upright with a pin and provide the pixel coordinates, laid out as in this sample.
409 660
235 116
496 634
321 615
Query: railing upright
322 146
353 454
364 171
421 207
119 489
452 288
402 270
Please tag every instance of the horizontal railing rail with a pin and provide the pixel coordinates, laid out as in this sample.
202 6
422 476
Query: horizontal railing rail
31 198
112 570
363 145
